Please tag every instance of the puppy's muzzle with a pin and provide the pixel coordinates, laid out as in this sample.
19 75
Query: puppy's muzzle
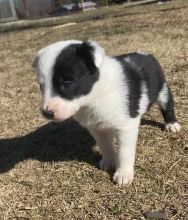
49 114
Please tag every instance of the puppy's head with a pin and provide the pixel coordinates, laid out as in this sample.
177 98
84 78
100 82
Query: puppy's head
67 72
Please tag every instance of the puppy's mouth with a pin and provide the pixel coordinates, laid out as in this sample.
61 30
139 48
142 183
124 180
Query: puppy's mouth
57 120
47 114
50 115
58 110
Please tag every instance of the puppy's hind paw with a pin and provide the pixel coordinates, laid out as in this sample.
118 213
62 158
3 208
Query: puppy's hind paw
173 127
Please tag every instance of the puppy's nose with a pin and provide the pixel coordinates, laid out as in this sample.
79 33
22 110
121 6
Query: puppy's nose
49 114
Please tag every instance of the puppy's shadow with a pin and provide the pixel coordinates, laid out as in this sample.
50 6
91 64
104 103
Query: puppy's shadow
151 123
51 142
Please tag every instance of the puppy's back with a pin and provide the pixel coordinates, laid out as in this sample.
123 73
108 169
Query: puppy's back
143 74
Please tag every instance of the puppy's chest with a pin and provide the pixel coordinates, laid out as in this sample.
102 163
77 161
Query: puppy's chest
90 117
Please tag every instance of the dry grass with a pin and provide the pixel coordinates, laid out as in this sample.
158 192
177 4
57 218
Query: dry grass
49 171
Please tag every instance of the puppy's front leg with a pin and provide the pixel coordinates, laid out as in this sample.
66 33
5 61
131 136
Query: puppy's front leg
104 141
127 138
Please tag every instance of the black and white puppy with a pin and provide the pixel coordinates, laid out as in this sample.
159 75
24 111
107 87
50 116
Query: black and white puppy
107 95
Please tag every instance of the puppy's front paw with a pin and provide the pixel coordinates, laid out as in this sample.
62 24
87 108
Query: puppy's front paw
174 127
107 163
123 176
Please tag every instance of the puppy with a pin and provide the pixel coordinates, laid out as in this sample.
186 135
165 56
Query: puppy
107 95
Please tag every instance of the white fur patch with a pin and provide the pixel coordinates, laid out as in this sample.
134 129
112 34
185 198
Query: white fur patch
99 53
128 60
173 127
142 52
144 100
163 96
107 105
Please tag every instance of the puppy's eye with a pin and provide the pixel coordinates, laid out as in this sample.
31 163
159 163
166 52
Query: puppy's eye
67 84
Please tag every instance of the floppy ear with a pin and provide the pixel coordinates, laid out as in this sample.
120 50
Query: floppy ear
98 53
92 54
35 61
36 58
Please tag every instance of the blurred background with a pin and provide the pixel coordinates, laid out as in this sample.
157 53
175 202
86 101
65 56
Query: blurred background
11 10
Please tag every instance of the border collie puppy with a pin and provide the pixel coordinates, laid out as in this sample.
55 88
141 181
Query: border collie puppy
107 95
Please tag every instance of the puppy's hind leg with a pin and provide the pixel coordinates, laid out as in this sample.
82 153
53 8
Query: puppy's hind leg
166 104
104 141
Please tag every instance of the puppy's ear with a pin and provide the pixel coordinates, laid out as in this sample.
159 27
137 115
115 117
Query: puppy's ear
35 61
98 53
92 53
36 58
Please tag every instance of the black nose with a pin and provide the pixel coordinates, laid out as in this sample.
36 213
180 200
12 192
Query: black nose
49 114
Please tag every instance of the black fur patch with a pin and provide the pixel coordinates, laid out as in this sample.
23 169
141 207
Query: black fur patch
139 69
75 71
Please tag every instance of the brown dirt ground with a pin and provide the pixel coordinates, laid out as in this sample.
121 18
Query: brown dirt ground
50 171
